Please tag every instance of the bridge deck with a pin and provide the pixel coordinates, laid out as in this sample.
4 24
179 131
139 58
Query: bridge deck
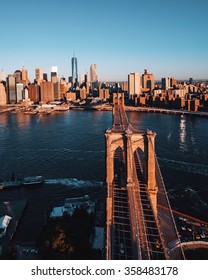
133 230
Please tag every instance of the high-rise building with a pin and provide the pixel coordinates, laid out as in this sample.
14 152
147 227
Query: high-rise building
191 81
86 78
47 91
24 74
81 79
45 77
86 83
56 87
124 86
11 89
54 77
19 89
39 74
54 74
83 93
93 78
3 76
134 84
74 70
34 93
148 80
3 97
62 80
71 95
165 83
18 76
25 79
173 82
168 83
62 90
25 93
93 73
104 93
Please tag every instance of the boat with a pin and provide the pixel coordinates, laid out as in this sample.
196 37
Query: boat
26 181
77 108
45 111
33 180
61 108
10 184
30 112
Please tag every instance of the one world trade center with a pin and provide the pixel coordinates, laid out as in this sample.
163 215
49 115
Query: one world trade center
74 70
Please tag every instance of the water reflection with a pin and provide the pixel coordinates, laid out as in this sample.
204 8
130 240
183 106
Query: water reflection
22 120
169 136
136 119
4 119
183 145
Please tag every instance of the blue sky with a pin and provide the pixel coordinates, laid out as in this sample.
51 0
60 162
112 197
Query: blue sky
167 37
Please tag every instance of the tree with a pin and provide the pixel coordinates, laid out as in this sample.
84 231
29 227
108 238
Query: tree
68 237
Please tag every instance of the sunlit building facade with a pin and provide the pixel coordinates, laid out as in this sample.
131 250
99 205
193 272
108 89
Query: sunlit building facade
11 89
39 74
47 91
19 89
134 84
34 92
3 97
148 81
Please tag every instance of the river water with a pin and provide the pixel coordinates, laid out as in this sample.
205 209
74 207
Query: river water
68 149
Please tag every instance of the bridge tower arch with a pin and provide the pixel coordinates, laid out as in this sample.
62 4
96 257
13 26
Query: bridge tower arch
113 142
129 142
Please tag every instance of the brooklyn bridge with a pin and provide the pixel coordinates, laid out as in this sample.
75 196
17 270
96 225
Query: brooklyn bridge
140 221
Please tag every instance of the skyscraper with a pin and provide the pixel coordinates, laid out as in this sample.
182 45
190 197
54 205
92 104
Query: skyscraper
39 74
3 75
11 89
168 83
24 74
18 76
134 84
25 79
45 77
93 73
191 81
54 74
3 97
93 77
148 80
34 92
74 70
47 91
19 90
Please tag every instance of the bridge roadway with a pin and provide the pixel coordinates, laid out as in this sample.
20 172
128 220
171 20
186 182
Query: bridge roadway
133 216
121 234
133 231
167 111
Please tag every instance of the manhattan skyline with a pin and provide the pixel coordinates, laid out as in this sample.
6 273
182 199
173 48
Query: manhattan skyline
168 38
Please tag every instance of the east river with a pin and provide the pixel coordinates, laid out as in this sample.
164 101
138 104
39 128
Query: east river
68 149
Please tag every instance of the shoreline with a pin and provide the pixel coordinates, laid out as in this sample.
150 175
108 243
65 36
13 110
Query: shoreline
165 111
11 107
